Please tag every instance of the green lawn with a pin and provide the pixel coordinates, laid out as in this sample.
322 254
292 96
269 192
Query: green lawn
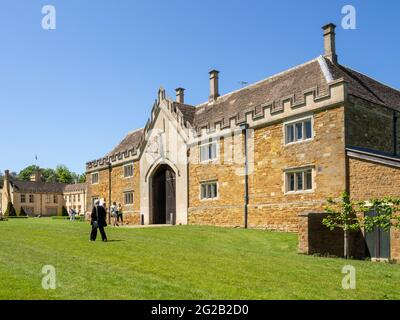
185 262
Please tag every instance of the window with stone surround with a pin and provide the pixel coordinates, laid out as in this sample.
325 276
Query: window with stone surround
299 180
208 151
55 199
94 199
23 198
209 190
299 130
95 178
48 198
128 197
128 170
31 198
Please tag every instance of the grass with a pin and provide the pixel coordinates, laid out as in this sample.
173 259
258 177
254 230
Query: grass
183 262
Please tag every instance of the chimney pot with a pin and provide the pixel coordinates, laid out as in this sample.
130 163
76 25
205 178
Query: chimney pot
330 42
214 85
180 95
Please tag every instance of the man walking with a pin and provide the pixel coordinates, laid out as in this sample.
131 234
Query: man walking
98 221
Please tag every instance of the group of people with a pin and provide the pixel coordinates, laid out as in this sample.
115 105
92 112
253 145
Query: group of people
116 213
98 219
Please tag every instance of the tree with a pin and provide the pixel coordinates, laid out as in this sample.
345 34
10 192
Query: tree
386 214
64 175
22 212
82 178
25 174
10 211
342 214
62 212
49 175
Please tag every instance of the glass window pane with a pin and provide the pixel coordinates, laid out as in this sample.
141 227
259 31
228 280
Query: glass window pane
299 131
203 191
299 179
203 153
289 134
290 181
213 151
309 180
213 190
308 129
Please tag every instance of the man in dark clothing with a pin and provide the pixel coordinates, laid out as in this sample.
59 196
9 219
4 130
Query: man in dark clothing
98 221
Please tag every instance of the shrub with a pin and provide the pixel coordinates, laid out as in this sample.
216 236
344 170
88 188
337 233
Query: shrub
22 212
62 212
10 211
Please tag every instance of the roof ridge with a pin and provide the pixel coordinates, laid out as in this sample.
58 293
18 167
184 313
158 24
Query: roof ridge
346 70
263 80
368 76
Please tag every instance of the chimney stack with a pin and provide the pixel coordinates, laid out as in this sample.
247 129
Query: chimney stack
180 95
36 176
329 42
214 86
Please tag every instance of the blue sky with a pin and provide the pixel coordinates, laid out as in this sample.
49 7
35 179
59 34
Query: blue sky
70 95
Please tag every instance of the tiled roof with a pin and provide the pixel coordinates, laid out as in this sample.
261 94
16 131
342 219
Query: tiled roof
187 111
364 87
45 187
131 141
315 74
271 90
75 187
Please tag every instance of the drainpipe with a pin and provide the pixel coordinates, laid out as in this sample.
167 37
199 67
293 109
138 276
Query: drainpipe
395 119
109 193
245 128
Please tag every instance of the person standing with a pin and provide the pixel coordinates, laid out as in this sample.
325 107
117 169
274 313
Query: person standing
119 213
72 214
114 214
98 221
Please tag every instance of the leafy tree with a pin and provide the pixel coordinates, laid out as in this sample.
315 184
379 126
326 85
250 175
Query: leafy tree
10 211
387 213
82 178
342 214
49 175
64 175
22 212
25 174
62 212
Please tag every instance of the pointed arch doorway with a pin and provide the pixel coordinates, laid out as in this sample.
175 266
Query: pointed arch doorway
163 196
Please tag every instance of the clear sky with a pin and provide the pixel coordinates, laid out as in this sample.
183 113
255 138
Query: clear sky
70 95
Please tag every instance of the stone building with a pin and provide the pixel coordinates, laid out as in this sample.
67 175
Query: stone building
39 197
260 155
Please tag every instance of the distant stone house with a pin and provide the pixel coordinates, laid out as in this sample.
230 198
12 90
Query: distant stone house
260 155
37 197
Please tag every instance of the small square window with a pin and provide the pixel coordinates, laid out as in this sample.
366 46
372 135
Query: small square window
298 131
299 180
95 178
128 171
209 190
208 151
128 198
